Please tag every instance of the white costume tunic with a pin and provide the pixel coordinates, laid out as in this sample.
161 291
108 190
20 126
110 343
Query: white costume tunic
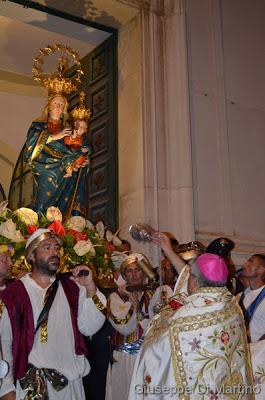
196 352
59 350
161 296
120 373
127 322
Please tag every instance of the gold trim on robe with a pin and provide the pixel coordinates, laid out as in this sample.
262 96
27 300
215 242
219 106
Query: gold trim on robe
42 140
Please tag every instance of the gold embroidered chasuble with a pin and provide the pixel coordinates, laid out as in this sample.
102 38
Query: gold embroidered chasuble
198 352
257 350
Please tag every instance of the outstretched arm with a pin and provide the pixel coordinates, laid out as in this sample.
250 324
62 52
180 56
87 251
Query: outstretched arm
163 241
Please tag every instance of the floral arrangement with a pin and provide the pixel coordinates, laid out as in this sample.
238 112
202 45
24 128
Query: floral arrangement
83 243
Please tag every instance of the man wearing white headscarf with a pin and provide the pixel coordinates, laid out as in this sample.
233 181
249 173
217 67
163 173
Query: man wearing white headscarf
128 314
42 325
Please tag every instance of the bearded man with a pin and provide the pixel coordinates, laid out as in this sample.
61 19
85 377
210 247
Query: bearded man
42 324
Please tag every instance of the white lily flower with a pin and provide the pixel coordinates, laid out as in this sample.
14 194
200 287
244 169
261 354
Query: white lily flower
113 238
9 230
89 225
100 229
109 235
83 247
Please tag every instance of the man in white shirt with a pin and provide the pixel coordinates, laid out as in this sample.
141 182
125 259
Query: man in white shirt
42 325
128 314
252 302
252 299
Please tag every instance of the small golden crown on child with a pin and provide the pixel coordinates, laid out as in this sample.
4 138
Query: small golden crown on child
81 112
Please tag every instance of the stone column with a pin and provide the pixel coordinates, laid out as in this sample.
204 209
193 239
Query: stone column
167 145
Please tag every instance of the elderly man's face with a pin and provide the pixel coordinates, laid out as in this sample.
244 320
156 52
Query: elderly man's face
254 268
5 265
46 258
134 275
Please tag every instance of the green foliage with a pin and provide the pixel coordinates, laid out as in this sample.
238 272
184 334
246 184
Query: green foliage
43 221
19 248
21 226
100 257
4 240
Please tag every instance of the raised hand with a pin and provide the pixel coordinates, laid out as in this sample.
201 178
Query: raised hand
162 240
84 280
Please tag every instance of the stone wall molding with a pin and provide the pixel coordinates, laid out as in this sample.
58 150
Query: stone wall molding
166 126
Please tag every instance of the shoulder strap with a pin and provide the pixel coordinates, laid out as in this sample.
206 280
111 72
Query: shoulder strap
249 312
48 303
253 306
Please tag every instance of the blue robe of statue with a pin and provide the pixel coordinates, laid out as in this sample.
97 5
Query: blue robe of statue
49 161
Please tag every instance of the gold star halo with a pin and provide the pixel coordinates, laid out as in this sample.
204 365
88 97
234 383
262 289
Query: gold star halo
57 83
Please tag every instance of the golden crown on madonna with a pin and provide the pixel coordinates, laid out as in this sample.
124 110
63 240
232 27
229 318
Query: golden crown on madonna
81 112
57 82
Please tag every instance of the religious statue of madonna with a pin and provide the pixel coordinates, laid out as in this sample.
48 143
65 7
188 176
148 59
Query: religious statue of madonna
57 152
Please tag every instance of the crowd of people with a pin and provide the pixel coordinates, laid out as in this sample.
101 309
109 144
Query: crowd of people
184 335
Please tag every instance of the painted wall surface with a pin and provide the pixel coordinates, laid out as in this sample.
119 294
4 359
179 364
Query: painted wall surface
34 35
17 112
227 102
7 164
